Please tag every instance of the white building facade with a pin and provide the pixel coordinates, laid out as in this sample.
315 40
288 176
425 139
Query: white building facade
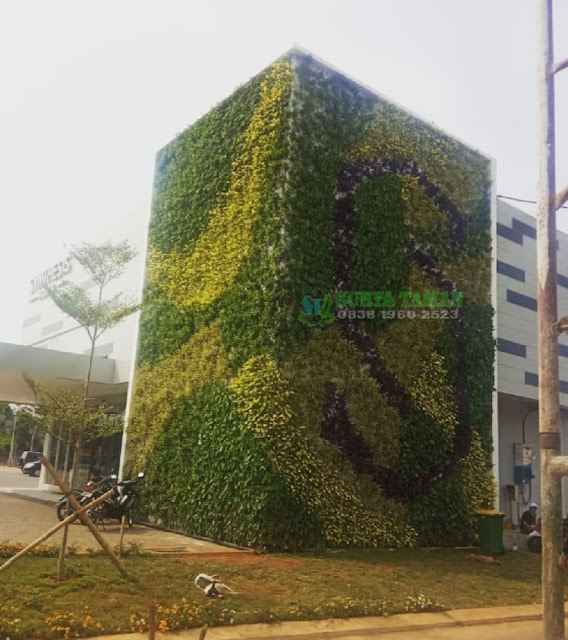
517 359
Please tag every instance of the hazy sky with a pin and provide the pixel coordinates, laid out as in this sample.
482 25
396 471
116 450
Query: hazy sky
91 90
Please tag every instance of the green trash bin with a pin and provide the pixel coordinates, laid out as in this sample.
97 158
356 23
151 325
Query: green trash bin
490 524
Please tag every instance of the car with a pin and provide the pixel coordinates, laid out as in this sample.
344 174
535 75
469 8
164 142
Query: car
28 456
32 468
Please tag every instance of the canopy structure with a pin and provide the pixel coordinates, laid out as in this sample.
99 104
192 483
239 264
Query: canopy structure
109 378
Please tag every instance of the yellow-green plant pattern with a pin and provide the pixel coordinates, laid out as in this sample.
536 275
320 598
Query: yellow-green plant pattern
263 397
198 278
258 429
158 389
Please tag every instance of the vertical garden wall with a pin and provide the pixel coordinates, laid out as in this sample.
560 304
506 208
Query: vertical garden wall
267 413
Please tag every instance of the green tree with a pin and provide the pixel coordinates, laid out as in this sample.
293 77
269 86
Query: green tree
103 263
62 413
19 435
6 426
76 414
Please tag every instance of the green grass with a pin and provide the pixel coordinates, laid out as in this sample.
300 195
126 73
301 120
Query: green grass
272 587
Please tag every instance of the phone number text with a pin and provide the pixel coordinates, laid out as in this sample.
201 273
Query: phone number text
397 314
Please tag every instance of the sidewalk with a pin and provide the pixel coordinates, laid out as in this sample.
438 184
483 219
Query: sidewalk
28 513
495 623
47 496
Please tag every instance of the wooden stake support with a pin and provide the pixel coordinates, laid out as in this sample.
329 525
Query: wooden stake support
70 518
84 517
152 621
122 523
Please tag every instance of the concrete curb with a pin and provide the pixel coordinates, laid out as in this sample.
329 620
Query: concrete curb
357 627
47 497
383 630
159 527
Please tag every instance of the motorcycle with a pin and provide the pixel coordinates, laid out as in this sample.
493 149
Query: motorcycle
118 505
534 540
94 488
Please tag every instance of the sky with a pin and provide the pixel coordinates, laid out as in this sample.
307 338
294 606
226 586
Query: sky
90 91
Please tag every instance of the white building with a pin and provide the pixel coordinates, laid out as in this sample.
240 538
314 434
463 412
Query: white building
517 364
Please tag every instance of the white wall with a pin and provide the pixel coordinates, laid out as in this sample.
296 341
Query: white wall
516 323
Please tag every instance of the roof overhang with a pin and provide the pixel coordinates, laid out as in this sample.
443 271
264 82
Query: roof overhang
57 368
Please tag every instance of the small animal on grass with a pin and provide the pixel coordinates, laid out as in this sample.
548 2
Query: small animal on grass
211 586
483 559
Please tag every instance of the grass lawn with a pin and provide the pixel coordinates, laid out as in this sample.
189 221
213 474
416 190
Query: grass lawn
272 587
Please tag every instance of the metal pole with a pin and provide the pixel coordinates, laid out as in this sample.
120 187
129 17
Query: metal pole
549 413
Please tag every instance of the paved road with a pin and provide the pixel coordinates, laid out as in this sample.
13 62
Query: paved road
13 477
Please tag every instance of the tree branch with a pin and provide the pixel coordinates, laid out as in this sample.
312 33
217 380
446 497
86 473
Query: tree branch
559 66
561 198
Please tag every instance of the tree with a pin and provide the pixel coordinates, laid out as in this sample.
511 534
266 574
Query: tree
17 435
62 413
103 263
76 413
6 427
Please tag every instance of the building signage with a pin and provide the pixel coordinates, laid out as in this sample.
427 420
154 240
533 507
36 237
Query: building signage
47 277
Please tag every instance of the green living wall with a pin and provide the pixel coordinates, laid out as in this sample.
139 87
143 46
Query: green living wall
263 424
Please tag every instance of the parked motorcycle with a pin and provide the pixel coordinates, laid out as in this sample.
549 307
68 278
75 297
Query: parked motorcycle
93 489
534 540
118 505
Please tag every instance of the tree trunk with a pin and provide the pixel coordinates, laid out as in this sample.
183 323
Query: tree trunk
58 456
62 551
66 461
73 485
75 471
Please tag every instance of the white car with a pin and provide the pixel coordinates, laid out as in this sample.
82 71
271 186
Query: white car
32 468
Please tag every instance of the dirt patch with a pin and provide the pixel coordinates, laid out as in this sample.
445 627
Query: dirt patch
369 566
287 564
252 559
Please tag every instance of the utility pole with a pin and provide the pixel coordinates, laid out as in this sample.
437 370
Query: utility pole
552 465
